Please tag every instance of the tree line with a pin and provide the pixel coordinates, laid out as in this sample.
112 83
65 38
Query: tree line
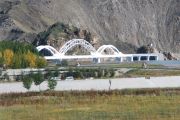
14 54
82 73
78 73
38 78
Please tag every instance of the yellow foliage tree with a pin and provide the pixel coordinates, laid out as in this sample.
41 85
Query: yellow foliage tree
31 59
41 62
8 57
1 58
1 55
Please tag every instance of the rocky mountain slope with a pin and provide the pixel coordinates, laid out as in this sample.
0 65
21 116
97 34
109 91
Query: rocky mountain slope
126 24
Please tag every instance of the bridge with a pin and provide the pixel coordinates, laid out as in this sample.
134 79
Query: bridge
105 51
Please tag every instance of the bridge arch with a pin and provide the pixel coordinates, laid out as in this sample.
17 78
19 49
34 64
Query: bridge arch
48 48
74 42
109 48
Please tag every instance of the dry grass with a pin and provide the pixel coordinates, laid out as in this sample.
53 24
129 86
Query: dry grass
152 104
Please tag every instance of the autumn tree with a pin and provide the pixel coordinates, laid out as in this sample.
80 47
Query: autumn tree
17 61
14 54
31 59
1 59
41 62
8 57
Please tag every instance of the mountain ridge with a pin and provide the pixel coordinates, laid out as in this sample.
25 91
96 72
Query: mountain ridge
127 24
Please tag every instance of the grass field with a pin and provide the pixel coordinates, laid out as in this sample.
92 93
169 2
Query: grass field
151 73
123 65
149 104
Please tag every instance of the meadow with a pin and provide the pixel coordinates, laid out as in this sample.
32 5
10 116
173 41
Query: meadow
139 104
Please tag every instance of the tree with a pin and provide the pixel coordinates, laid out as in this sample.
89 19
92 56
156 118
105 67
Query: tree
8 57
142 49
27 82
41 62
100 73
1 59
48 74
31 58
77 73
38 78
56 73
19 55
0 71
105 73
52 84
112 72
6 77
64 63
17 61
70 72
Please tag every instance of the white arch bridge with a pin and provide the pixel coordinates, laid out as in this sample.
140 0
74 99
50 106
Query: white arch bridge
105 51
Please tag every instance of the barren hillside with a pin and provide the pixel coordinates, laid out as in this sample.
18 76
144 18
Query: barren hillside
126 24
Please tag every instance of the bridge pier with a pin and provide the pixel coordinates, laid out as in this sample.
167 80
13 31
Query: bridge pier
118 59
96 60
99 60
157 58
148 58
121 59
132 59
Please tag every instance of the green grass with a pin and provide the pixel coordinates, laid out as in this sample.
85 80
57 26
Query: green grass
151 73
152 104
116 65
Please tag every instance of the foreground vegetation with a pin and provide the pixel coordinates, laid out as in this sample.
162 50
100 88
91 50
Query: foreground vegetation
153 104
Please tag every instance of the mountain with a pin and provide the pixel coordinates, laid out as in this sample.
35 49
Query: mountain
127 24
